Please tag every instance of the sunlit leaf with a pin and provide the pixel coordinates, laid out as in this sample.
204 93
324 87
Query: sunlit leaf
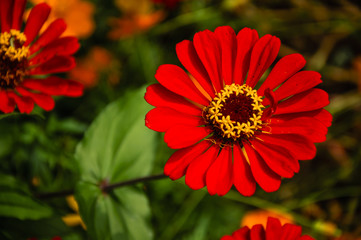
116 147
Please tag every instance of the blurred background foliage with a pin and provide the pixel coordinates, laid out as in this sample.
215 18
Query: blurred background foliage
123 42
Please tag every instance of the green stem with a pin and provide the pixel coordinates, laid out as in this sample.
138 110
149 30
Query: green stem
103 187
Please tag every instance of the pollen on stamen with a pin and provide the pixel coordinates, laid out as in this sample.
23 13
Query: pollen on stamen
13 58
234 114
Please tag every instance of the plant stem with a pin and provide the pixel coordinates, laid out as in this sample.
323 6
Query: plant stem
103 187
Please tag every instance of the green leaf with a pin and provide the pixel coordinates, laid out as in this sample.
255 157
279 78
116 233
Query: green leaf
16 201
117 147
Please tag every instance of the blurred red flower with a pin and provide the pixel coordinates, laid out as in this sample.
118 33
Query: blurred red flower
27 60
273 231
227 132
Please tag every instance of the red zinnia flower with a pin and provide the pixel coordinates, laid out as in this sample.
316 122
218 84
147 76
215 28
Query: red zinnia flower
229 133
27 60
273 231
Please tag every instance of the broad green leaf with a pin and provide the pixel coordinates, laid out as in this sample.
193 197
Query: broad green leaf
117 147
16 202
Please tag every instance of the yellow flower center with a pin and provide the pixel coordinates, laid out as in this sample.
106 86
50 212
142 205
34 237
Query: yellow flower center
235 113
13 58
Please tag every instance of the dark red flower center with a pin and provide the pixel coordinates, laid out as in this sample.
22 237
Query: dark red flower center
13 59
234 114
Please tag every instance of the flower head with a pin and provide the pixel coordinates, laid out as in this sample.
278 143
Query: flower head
27 60
230 129
273 231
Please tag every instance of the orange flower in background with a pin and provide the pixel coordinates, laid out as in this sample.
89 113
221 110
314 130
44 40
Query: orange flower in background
260 217
97 61
138 16
77 14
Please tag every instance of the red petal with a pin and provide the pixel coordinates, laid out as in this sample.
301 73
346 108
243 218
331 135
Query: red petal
176 80
228 43
263 54
159 96
54 86
36 19
284 69
187 55
61 46
257 232
290 232
227 238
209 52
181 136
52 32
177 164
300 147
242 234
243 179
6 7
321 115
7 105
196 172
57 64
298 83
162 118
273 229
264 176
219 175
312 99
75 89
278 159
24 104
246 38
305 126
18 11
43 100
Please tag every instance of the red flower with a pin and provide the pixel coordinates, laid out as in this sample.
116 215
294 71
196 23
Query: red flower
227 132
27 60
273 231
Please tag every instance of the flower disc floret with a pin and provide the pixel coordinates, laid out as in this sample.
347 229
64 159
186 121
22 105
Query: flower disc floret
13 58
234 113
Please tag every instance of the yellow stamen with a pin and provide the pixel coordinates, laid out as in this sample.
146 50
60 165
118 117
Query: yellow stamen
231 128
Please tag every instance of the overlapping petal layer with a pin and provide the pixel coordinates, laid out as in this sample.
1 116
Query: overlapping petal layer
293 118
273 231
48 54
